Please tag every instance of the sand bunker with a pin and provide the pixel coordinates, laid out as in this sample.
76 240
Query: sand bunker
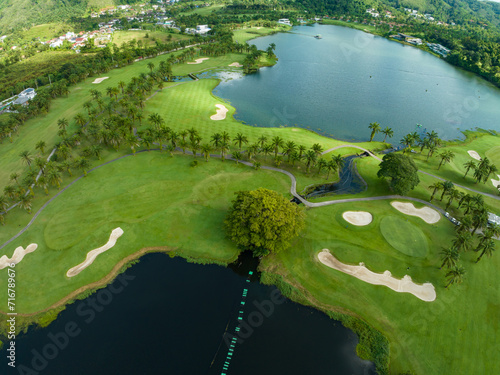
19 254
236 64
99 80
496 183
425 292
198 61
221 112
358 218
427 214
474 154
115 234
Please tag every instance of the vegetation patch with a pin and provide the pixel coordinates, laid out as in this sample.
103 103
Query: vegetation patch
404 236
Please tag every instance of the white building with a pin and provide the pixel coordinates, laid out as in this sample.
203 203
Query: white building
202 29
284 21
25 96
57 43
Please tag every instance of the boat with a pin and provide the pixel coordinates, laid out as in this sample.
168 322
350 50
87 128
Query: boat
318 36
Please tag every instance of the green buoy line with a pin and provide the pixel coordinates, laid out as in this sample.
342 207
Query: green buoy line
234 340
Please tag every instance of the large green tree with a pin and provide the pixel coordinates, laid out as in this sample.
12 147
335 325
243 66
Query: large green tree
402 171
263 221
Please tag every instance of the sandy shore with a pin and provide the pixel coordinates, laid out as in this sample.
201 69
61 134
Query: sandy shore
198 61
425 292
221 112
92 254
474 154
99 80
427 214
358 218
236 64
18 255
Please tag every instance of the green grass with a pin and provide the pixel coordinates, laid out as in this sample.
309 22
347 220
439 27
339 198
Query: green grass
424 337
166 203
125 36
353 25
404 237
245 34
204 11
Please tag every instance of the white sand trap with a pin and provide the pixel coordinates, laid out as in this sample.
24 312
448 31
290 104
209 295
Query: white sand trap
18 255
496 183
236 64
474 154
427 214
221 112
99 80
358 218
198 61
425 292
92 254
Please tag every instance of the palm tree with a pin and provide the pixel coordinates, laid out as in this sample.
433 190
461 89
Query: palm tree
450 257
83 164
277 142
54 178
14 177
407 141
464 198
262 140
310 157
317 148
330 167
4 204
237 156
301 149
432 137
446 157
224 148
491 169
206 149
321 164
470 164
455 275
25 202
339 161
40 146
216 140
375 127
151 66
62 123
447 186
67 165
26 157
290 147
96 151
257 165
42 183
463 241
436 186
240 139
488 249
454 194
432 149
480 219
80 120
387 132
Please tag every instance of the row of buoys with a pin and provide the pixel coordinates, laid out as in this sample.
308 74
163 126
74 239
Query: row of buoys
234 340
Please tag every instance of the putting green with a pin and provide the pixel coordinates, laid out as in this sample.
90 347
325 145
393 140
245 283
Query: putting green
404 236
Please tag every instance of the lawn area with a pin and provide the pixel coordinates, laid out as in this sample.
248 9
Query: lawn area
45 31
485 144
425 338
245 34
166 203
353 25
204 11
125 36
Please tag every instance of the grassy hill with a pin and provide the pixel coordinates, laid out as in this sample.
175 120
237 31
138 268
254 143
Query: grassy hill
19 14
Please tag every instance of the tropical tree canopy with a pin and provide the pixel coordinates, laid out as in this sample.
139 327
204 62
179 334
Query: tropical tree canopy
402 171
263 221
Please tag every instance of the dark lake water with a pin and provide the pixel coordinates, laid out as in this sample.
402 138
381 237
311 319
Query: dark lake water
166 316
339 84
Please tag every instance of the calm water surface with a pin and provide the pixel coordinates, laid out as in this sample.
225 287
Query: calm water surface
337 85
170 318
